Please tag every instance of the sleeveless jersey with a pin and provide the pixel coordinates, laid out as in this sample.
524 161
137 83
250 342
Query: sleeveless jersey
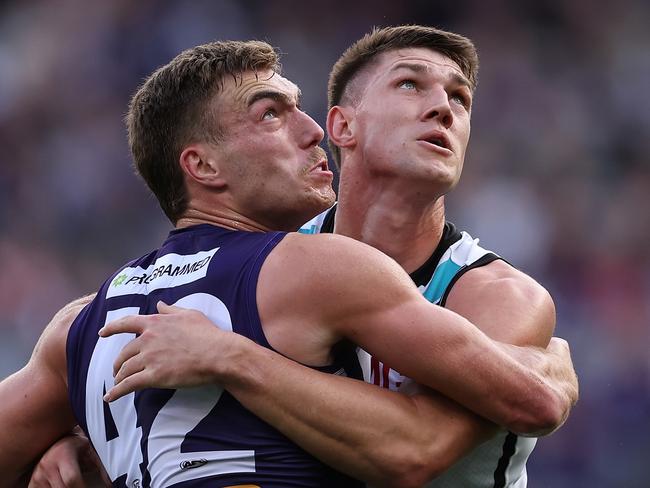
499 462
192 437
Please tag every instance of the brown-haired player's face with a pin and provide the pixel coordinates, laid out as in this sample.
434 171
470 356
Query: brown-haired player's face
412 118
276 171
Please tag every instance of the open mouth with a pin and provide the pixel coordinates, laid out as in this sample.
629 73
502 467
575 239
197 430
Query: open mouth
321 166
437 139
321 169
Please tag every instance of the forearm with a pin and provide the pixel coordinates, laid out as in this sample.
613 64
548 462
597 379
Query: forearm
382 437
14 455
21 441
505 383
525 316
517 393
555 369
452 356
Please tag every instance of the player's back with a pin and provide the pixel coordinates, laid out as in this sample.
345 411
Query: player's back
190 437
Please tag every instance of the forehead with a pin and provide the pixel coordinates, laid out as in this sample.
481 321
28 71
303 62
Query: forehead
240 90
419 58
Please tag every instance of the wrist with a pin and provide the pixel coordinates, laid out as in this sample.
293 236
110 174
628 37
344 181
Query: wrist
242 366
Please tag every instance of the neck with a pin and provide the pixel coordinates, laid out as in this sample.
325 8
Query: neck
391 217
227 219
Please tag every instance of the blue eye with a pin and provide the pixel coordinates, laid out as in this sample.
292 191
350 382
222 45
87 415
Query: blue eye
407 85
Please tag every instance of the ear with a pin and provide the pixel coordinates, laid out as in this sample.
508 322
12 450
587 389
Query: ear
200 164
339 126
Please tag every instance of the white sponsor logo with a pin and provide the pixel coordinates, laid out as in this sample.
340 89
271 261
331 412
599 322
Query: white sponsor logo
168 271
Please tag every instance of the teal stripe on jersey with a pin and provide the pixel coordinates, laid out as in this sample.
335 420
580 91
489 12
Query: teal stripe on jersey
441 279
311 230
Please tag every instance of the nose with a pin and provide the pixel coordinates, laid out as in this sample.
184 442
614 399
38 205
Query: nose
311 134
438 108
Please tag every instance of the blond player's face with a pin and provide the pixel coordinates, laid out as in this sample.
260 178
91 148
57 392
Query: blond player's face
277 173
413 117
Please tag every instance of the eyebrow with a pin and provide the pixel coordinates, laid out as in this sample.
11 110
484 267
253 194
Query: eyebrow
275 96
420 68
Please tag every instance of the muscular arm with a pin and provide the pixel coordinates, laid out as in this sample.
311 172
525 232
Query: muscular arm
34 407
506 304
373 303
379 436
382 437
370 433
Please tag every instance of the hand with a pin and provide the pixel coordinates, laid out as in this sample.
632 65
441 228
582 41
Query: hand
555 368
70 463
176 348
562 369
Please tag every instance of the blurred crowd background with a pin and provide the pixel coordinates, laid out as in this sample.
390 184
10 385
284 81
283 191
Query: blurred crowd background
557 177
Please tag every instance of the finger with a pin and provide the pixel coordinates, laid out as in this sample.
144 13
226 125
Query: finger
162 307
138 381
133 324
127 352
71 475
129 368
559 342
40 479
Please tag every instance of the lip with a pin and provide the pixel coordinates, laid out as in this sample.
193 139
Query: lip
321 169
437 149
439 135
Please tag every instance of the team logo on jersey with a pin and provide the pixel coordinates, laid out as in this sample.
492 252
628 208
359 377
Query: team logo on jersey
168 271
194 463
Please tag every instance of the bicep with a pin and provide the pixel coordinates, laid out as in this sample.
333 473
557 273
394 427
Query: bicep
506 304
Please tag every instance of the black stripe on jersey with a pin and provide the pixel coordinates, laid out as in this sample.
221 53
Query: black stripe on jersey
328 221
482 261
424 273
109 423
509 446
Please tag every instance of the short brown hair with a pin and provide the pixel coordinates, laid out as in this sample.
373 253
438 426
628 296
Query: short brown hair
358 56
172 108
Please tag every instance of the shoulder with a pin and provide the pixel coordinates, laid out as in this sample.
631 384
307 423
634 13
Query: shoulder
323 268
521 310
505 278
50 349
69 312
334 254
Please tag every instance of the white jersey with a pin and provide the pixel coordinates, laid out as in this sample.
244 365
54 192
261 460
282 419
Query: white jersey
499 462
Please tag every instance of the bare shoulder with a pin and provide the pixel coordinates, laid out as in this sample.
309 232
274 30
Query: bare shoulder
328 244
331 251
50 349
505 280
505 303
316 270
64 317
333 263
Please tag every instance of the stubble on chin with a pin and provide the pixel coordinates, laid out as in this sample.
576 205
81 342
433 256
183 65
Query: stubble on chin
323 197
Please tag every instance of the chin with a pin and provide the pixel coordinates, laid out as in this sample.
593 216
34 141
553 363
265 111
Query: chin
324 196
443 176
